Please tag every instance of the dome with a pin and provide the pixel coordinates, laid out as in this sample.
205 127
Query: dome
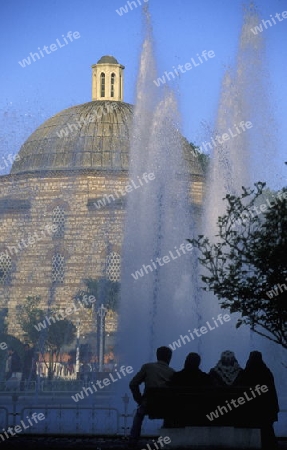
91 136
94 135
107 60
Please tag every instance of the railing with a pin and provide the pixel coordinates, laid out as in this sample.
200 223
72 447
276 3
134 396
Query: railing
73 420
70 418
46 386
4 414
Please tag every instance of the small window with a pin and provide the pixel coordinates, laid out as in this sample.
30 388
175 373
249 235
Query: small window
113 266
113 77
59 220
5 268
103 84
58 268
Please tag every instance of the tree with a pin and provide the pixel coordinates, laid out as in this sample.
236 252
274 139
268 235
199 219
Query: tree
247 265
105 291
3 320
203 158
10 341
48 338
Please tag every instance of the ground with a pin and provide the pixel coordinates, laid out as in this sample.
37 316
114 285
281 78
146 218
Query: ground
96 443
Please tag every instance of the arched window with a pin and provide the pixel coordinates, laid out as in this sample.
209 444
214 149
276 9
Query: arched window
113 266
5 268
59 220
58 268
113 78
103 84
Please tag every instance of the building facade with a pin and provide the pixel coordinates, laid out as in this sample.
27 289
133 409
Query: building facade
61 212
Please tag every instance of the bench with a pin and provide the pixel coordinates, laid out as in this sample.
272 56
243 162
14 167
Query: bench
187 414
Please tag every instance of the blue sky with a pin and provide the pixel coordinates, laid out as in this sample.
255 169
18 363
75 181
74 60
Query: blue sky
182 28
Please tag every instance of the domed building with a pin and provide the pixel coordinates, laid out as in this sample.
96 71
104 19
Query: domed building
61 220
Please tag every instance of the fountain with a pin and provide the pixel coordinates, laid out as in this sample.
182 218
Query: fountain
156 289
161 300
247 157
163 304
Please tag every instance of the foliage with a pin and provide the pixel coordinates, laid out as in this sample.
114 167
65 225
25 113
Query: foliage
3 321
203 158
30 315
11 341
54 336
105 291
248 260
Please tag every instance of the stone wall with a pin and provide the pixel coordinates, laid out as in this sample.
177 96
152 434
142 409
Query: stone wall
90 235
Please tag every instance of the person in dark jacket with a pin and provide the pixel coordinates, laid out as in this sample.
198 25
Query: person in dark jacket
191 375
29 365
264 408
15 364
153 375
189 378
15 369
226 371
29 370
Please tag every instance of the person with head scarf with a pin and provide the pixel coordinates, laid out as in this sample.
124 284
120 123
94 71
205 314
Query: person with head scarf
264 408
191 375
226 371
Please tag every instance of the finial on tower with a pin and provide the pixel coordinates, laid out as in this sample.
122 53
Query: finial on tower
107 79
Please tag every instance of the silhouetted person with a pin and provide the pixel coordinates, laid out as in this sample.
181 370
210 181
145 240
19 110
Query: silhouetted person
264 408
226 371
29 365
153 375
85 372
191 375
29 369
15 369
192 378
8 371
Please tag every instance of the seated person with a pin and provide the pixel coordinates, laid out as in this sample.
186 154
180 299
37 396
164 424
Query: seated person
264 407
190 412
226 371
191 375
152 375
